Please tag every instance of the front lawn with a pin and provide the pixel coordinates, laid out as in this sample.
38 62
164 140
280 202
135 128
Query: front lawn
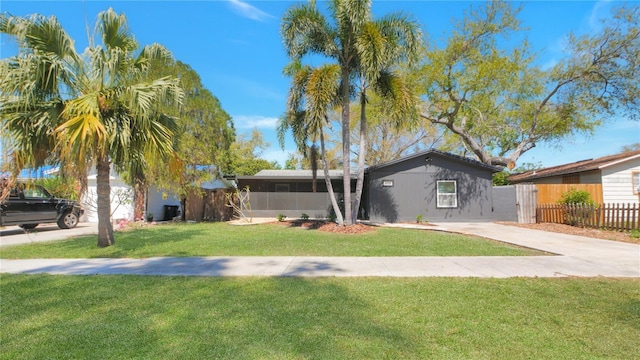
146 317
221 239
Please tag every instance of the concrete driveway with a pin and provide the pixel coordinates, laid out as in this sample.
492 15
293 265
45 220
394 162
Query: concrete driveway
14 235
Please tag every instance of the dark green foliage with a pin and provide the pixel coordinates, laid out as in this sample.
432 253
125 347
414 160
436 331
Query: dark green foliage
575 196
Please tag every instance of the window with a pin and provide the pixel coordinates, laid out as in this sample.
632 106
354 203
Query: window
35 192
447 194
635 180
571 179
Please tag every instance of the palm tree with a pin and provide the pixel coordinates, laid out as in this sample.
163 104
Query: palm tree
90 109
313 92
382 45
361 47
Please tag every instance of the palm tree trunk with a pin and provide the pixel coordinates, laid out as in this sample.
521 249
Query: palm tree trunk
346 147
313 158
103 190
362 153
327 180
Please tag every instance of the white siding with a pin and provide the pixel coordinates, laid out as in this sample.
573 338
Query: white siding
121 200
157 199
616 182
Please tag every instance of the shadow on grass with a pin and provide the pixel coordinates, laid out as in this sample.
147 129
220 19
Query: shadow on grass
161 317
133 241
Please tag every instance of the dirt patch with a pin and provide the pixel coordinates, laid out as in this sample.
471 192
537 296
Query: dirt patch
573 230
328 226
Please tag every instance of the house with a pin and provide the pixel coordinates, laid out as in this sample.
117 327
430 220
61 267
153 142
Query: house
609 179
434 185
290 192
122 207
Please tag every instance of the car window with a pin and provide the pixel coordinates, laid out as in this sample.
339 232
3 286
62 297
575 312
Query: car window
35 192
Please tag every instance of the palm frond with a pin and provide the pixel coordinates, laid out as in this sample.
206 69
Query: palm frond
304 29
115 32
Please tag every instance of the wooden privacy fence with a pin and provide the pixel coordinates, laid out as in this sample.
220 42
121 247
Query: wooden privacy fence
607 216
207 205
551 193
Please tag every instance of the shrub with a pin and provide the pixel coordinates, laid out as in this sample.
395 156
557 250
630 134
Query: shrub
634 234
578 216
419 218
575 196
281 217
304 216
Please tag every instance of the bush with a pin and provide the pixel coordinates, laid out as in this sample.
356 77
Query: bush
419 218
575 196
281 217
304 216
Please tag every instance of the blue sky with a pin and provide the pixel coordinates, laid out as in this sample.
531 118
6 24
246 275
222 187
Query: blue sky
235 47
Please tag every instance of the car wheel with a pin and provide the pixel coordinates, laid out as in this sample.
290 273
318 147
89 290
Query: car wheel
28 226
68 221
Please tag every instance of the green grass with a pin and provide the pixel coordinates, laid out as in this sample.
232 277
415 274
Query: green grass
221 239
138 317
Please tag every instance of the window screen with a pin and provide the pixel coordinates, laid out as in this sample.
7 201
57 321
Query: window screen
447 194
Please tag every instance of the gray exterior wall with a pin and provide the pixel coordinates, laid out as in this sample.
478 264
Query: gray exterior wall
414 190
505 203
292 204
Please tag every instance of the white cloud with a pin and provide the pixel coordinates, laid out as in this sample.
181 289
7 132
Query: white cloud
249 11
599 10
255 121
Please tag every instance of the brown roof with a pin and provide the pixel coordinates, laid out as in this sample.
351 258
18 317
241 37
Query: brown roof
576 167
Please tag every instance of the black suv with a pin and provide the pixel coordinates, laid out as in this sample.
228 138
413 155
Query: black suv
30 205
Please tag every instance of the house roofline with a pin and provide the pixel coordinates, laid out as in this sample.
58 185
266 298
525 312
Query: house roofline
619 161
436 152
576 167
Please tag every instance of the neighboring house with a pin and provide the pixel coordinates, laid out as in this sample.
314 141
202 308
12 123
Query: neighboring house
290 192
122 206
121 199
609 179
436 185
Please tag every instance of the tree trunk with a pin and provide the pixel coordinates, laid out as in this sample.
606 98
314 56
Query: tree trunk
139 191
327 179
103 190
346 147
362 153
313 158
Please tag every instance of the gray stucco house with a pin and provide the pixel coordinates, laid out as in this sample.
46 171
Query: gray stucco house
437 185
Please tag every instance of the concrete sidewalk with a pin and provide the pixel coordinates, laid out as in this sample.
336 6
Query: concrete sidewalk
576 256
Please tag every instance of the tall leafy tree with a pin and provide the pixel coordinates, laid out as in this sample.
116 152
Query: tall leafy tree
364 49
95 108
387 140
203 137
501 104
245 155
